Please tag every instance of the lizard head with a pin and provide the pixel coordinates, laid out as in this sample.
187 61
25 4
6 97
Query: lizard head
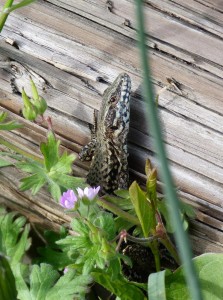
114 114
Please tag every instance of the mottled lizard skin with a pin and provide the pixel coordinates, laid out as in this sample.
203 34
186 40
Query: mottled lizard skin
108 146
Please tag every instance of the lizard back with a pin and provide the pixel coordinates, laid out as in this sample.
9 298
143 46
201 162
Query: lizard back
109 167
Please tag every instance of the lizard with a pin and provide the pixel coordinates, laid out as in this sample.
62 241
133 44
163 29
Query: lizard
108 146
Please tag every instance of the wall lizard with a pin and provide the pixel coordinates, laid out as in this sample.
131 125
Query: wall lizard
108 146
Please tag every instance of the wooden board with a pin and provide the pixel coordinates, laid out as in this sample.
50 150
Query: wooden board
74 49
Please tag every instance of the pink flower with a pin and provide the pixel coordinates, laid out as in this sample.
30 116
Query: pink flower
68 199
89 193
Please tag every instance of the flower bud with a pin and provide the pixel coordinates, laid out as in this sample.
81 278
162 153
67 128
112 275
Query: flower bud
41 105
88 195
38 101
29 111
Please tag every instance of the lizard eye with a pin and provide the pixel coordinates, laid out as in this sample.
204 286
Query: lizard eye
113 99
114 127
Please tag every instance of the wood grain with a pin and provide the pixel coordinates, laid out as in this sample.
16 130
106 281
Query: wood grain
74 53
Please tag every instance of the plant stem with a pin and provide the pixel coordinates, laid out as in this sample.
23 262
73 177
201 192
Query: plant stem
171 248
155 127
4 14
8 4
20 151
119 212
154 248
8 8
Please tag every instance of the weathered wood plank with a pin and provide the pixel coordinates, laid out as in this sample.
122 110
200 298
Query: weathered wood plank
168 22
41 209
207 16
72 49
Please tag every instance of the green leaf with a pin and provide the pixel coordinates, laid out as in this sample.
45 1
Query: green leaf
142 208
209 269
148 167
122 203
122 193
188 210
76 242
4 163
55 257
3 116
29 111
151 184
80 241
156 286
71 182
121 224
91 247
50 151
162 205
54 190
7 281
120 287
12 242
63 165
115 266
22 245
52 173
70 286
30 167
35 93
42 278
8 125
23 290
79 226
33 182
46 284
105 221
90 259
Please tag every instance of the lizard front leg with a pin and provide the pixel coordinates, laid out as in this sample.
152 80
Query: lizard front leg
87 152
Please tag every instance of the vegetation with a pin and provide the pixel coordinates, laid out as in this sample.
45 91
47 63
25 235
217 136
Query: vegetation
106 235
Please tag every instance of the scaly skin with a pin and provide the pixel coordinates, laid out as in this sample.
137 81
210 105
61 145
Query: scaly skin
108 147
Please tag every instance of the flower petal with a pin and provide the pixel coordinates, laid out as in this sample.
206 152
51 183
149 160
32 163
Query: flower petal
68 199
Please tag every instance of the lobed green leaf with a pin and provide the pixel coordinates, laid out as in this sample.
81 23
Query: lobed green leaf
7 281
33 182
142 207
120 287
12 242
50 151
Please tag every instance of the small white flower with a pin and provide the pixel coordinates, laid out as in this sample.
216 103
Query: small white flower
89 193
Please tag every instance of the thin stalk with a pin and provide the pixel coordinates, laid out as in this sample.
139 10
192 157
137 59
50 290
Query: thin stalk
8 4
170 247
119 212
155 127
21 4
4 13
8 8
20 151
154 246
